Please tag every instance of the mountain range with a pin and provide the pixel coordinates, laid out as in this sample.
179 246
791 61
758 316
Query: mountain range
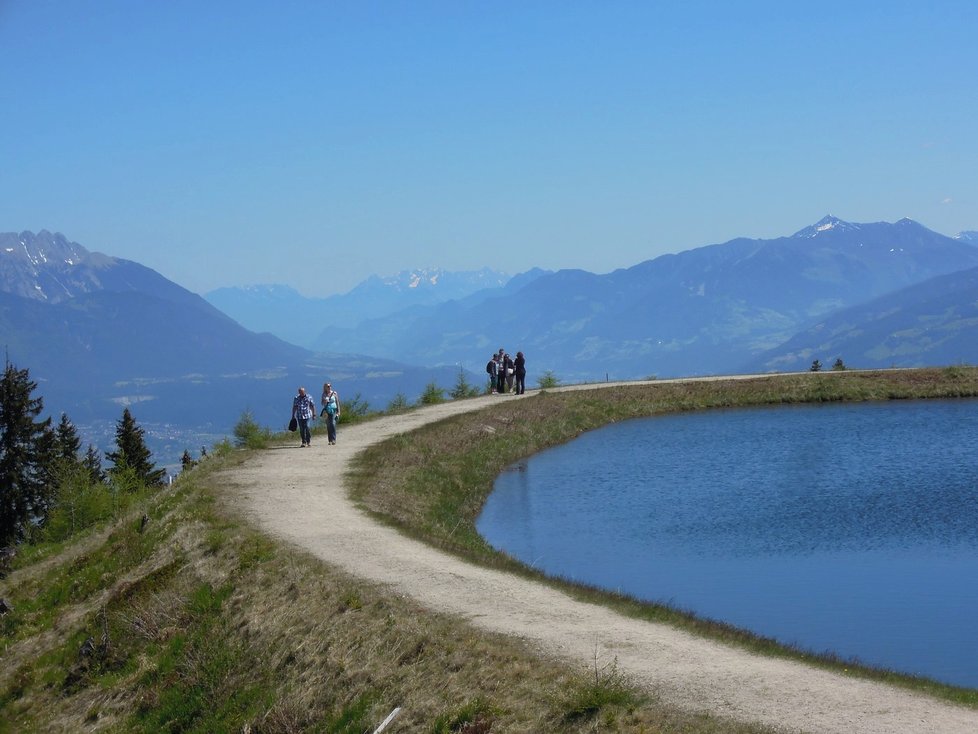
708 310
930 323
99 333
283 311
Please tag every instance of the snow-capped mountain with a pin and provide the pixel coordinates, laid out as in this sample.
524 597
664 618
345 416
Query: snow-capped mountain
285 312
702 311
970 237
826 224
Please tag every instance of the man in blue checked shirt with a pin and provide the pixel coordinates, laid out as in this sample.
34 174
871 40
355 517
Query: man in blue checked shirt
303 410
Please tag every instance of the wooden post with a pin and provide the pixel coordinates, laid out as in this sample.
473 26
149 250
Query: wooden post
390 717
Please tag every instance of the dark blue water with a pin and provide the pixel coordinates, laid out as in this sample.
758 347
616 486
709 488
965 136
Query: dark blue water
845 528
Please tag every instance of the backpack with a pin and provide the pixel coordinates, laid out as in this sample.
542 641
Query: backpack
490 366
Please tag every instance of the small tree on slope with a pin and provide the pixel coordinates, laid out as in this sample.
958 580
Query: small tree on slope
132 453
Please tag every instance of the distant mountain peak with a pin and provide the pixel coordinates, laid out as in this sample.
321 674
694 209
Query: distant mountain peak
430 277
46 266
969 236
825 224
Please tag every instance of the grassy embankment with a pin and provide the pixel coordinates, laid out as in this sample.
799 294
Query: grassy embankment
178 616
433 483
190 620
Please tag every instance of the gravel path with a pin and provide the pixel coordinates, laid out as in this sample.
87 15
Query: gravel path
298 495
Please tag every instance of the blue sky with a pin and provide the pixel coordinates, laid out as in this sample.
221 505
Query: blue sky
316 143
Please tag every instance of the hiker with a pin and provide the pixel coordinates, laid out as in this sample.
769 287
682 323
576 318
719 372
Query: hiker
492 371
519 369
500 372
331 409
508 371
303 410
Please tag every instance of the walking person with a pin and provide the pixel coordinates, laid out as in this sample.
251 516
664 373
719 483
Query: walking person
331 409
519 367
304 410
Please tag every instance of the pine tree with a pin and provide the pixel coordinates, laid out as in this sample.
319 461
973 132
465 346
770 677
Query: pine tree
93 465
67 443
26 455
132 452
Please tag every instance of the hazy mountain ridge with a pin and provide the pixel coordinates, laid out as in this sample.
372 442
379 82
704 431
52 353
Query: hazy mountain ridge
701 311
98 333
299 319
931 323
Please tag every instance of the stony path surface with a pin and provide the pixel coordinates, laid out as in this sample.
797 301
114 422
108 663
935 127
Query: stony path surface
299 496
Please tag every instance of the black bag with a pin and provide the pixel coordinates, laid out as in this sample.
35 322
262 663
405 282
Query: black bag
293 424
490 366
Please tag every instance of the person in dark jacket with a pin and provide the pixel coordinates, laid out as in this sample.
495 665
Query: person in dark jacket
519 368
508 376
492 369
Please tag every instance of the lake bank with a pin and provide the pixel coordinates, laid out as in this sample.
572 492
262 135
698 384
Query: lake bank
696 674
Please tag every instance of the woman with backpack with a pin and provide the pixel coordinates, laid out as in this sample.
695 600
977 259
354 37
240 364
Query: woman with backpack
491 370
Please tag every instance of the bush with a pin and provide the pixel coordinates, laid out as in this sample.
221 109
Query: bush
463 388
248 434
547 380
398 403
79 504
607 687
355 408
432 395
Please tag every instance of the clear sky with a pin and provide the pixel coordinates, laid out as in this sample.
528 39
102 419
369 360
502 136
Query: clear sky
317 143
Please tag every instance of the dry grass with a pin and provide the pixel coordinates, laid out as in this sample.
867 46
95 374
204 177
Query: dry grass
202 624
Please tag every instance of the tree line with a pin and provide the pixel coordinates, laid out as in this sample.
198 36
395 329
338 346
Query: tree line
49 487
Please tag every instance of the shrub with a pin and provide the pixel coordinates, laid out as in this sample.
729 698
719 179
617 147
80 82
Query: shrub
463 388
592 694
79 503
547 380
355 408
398 403
248 434
432 395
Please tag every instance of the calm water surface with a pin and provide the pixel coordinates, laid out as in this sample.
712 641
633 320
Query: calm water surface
850 528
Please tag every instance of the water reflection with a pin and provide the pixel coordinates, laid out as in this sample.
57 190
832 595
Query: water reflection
851 528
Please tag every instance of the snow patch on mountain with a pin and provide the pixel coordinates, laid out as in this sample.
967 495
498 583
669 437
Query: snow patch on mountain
826 224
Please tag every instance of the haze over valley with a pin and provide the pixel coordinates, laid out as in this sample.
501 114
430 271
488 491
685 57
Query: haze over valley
99 332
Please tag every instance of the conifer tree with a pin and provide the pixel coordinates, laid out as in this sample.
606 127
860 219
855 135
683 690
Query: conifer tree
93 465
26 455
132 452
67 443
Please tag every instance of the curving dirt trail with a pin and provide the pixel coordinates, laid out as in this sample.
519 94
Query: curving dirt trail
298 495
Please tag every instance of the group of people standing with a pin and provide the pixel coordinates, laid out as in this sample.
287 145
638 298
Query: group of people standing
507 374
304 411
